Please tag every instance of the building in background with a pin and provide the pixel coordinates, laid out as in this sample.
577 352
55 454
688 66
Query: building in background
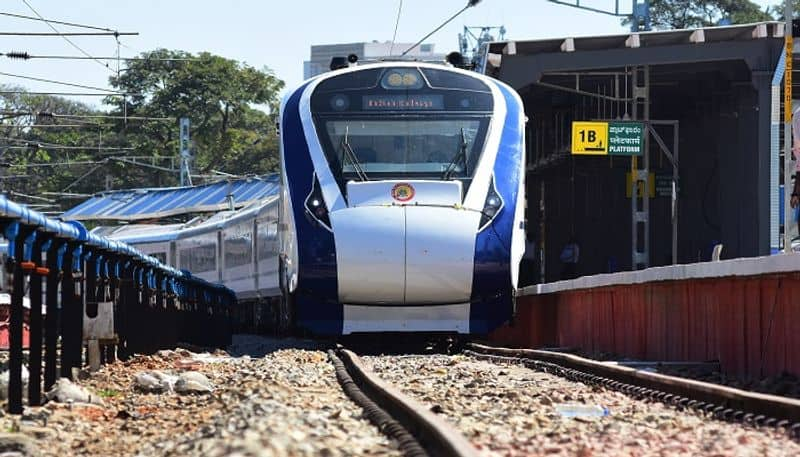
321 54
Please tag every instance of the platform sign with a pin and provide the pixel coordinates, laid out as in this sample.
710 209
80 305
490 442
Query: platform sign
608 138
590 138
625 138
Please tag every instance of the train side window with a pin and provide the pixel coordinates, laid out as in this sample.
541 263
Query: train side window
238 246
267 239
199 259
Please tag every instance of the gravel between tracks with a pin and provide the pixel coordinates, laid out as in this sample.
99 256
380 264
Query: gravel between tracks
280 401
510 410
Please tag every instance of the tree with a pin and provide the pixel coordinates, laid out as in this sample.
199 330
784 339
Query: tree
220 96
684 14
232 106
778 9
25 141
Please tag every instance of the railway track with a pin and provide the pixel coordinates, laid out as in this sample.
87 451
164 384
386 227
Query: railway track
293 397
724 403
505 404
417 430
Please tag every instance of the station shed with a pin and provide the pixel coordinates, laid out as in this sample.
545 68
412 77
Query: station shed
710 102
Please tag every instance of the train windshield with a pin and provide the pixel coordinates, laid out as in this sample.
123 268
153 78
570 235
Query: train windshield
402 122
397 147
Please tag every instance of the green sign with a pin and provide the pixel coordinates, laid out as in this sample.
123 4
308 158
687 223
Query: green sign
625 138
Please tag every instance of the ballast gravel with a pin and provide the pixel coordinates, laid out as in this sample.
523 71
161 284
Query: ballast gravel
262 398
509 410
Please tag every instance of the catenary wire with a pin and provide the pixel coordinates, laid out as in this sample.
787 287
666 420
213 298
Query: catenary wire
67 34
71 24
104 65
26 56
81 86
396 25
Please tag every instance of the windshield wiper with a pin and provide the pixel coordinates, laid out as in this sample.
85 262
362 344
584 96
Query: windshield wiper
349 154
460 156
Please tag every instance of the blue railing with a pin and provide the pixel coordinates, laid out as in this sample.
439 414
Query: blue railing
154 305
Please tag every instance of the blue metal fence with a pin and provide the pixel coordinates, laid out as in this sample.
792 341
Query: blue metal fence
154 304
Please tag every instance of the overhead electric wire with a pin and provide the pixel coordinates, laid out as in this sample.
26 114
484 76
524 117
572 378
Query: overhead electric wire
54 164
48 126
25 56
71 24
85 175
64 36
470 4
51 81
45 145
67 194
396 24
75 117
72 148
107 116
32 197
65 94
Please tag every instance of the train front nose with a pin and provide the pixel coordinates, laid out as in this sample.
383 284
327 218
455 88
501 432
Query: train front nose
404 255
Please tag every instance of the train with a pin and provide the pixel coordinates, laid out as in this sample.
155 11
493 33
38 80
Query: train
402 201
238 249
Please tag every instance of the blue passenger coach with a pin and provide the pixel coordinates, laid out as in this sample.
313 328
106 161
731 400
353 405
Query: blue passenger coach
402 201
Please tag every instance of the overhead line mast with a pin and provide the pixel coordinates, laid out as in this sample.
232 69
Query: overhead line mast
639 15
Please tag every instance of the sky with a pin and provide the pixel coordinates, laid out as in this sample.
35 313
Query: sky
276 34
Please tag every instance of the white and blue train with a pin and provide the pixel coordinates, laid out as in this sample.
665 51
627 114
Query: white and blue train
402 201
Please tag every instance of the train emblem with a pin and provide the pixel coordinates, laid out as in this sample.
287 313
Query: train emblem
402 192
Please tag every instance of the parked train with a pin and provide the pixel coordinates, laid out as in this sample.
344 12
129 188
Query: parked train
238 249
402 201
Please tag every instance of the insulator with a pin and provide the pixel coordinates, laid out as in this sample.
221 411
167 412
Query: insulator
18 55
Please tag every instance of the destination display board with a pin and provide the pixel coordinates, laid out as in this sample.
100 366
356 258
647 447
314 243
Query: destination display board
403 102
608 138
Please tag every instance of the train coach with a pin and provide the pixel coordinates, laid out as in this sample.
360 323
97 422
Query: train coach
401 207
238 249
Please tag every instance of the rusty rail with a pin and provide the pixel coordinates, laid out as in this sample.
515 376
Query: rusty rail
433 434
725 403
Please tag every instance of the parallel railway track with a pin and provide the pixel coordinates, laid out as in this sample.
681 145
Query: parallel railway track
724 403
498 401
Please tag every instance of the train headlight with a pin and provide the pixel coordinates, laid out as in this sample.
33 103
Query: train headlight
316 210
340 102
402 79
491 206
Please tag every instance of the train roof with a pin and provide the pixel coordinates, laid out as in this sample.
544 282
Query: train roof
150 233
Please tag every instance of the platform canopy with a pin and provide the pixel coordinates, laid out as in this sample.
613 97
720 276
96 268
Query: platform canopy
155 203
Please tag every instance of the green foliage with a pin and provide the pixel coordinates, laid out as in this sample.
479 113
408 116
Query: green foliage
778 9
218 95
683 14
232 108
25 142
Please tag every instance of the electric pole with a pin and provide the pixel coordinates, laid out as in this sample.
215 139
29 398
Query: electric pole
186 153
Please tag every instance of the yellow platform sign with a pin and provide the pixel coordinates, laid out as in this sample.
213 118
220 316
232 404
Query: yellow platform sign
590 138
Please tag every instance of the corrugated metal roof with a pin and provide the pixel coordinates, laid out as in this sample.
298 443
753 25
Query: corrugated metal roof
138 204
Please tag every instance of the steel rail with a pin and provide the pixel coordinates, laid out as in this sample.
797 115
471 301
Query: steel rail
436 436
725 403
